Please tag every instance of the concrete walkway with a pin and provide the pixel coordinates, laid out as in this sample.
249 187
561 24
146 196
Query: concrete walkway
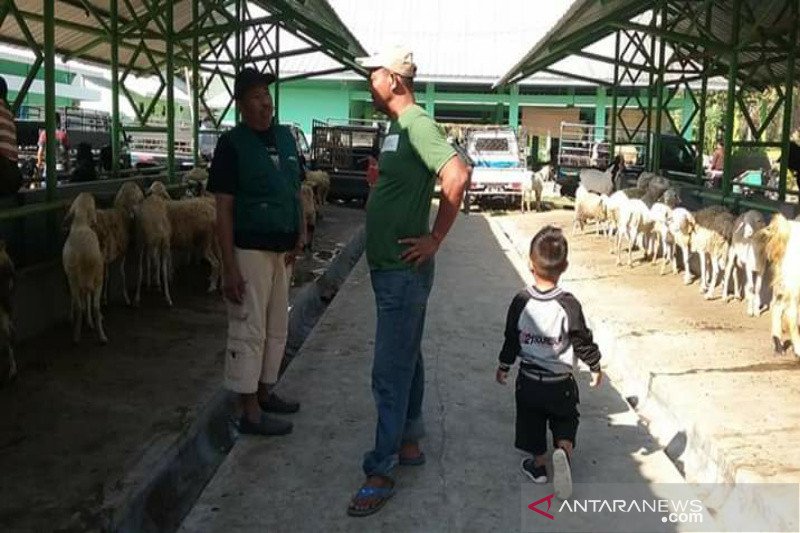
472 481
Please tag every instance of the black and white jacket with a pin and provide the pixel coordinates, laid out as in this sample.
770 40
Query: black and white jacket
548 332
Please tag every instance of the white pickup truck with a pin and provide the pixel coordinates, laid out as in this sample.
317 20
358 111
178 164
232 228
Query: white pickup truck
499 173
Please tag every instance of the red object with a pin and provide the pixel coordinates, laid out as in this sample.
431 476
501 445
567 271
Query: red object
372 171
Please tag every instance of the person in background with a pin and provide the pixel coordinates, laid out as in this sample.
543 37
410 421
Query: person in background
10 175
62 146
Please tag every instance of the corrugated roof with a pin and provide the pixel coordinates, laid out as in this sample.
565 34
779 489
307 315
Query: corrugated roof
589 21
77 35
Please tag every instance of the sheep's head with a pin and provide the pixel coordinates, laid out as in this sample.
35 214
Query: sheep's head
82 210
128 196
158 189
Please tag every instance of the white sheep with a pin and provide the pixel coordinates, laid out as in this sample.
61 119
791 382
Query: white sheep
532 190
84 265
114 232
681 227
634 221
746 254
154 233
660 241
711 240
588 206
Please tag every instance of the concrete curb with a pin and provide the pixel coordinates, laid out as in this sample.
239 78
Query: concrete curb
161 489
695 455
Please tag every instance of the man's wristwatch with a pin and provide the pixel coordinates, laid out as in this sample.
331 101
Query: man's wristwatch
504 367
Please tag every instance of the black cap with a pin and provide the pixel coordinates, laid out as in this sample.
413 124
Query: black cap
250 77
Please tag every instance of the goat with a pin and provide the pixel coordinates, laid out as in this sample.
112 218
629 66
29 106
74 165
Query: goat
532 190
781 245
588 206
746 254
320 182
84 265
114 232
596 181
154 235
634 220
711 239
681 226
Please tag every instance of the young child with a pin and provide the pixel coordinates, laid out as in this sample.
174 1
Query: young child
546 329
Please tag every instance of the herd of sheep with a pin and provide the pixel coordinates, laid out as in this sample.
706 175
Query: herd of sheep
649 216
150 225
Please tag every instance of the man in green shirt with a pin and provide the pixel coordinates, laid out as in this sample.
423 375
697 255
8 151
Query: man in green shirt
400 251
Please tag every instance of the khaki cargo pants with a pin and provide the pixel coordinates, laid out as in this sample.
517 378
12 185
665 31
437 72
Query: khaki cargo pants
257 328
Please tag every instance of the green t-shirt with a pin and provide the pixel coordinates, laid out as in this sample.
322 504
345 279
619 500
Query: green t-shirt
413 153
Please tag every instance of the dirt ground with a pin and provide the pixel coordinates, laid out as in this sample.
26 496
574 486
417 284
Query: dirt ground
711 363
77 418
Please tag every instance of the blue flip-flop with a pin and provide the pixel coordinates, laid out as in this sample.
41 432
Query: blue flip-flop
412 461
380 494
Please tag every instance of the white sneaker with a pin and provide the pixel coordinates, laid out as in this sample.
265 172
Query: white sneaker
562 476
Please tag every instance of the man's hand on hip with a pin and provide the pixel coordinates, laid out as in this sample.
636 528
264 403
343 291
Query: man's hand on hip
233 285
420 249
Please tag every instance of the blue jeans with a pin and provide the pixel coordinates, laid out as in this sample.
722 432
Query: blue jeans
398 375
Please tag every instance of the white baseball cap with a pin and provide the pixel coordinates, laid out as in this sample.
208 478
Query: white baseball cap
398 59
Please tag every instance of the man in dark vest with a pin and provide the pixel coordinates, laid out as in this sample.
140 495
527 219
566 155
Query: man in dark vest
255 176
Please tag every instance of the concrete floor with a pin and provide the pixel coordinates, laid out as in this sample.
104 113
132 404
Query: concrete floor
472 481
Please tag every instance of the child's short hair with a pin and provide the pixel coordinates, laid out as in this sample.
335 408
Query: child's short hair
549 252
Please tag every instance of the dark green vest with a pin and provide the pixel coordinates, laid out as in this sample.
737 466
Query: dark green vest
266 199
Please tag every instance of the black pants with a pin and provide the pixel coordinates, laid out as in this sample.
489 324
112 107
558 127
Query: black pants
541 402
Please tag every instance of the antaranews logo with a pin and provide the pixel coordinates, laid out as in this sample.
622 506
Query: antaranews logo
549 499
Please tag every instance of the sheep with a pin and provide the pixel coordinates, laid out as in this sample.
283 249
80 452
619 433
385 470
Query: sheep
309 213
320 182
711 239
644 180
532 189
193 224
613 206
634 220
660 234
781 245
746 254
84 265
114 230
588 206
154 234
7 274
681 226
597 182
656 187
671 198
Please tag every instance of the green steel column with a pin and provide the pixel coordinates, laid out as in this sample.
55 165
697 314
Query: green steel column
701 140
687 110
277 73
115 124
662 60
195 88
788 102
614 102
513 107
600 114
50 96
170 67
430 99
237 60
730 104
